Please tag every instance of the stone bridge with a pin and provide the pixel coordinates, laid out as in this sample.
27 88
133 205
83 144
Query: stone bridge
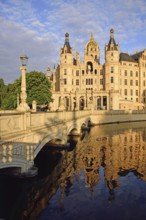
23 135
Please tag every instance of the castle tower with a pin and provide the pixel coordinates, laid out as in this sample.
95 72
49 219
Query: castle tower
48 73
92 52
112 71
66 53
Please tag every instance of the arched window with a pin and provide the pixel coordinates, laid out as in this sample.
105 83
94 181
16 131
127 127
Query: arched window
89 67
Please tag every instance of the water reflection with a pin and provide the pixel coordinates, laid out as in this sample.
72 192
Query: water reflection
102 177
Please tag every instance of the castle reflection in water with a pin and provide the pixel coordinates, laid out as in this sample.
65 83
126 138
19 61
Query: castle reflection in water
119 149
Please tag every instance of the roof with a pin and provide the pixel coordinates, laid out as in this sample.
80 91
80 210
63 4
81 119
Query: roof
67 44
126 57
112 41
136 56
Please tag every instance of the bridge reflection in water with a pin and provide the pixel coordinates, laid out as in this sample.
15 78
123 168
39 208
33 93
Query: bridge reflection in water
102 177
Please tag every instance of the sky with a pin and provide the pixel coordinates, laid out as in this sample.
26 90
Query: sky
37 28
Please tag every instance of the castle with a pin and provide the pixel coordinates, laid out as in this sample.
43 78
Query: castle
118 84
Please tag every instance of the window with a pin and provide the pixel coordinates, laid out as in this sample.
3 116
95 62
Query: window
131 73
65 81
143 83
101 81
89 81
125 91
112 69
77 82
77 73
112 79
125 81
95 71
125 72
72 81
82 72
136 92
101 72
131 92
65 71
136 73
136 82
143 74
131 82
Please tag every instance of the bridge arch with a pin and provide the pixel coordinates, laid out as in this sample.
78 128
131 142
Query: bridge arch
77 126
47 139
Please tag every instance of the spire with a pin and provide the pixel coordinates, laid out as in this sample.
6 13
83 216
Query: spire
112 33
66 44
48 72
112 42
91 37
66 38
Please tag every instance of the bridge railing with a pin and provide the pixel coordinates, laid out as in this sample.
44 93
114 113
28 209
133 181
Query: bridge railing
13 123
49 118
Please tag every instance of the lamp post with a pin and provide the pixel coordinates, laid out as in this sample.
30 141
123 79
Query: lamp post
23 106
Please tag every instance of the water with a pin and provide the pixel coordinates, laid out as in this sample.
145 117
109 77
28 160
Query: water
103 177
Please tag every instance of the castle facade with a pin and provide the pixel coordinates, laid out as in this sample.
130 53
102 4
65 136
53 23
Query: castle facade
118 84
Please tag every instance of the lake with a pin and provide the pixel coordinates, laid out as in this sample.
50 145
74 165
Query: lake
101 177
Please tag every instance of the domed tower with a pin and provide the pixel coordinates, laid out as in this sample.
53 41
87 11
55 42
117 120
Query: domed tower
112 70
66 53
92 52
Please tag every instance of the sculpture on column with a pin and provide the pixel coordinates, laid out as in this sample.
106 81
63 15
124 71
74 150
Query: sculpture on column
23 106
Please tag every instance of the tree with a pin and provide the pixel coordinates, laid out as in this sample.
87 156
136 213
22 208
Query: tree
2 92
38 88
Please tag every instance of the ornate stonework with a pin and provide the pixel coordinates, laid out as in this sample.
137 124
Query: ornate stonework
119 83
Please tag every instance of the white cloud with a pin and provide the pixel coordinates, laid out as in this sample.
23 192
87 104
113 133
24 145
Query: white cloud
38 27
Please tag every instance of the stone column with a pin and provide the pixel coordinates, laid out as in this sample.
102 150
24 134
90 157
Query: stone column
34 106
23 106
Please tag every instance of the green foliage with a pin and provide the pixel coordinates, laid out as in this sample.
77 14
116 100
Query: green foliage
2 92
37 87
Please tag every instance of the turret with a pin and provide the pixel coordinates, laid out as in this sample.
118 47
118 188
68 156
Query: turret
112 49
112 71
48 73
77 58
92 52
66 53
